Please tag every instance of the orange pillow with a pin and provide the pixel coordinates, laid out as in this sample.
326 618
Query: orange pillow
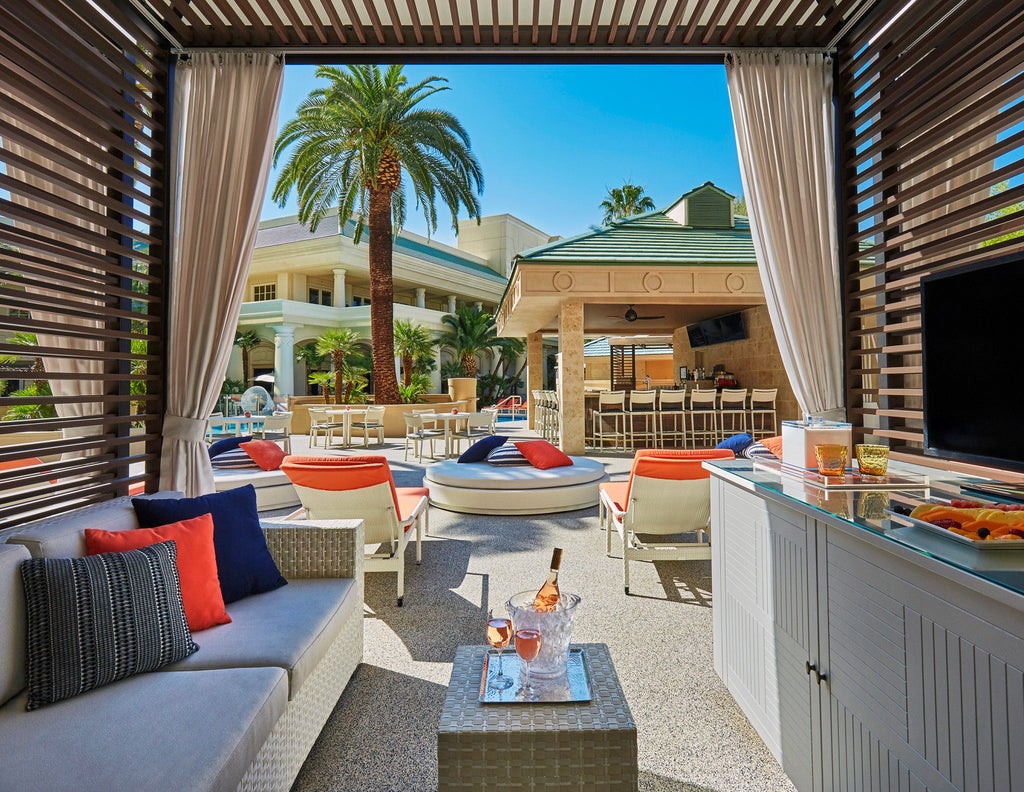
265 453
542 455
197 563
773 444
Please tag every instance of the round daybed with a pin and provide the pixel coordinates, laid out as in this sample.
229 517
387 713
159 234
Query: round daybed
482 488
273 488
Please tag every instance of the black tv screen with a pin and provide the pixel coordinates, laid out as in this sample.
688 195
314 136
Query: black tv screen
717 330
973 341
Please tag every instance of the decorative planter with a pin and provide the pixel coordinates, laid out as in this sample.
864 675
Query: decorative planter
463 389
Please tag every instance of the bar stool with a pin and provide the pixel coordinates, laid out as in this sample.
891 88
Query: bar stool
762 409
732 412
672 404
610 405
703 405
641 406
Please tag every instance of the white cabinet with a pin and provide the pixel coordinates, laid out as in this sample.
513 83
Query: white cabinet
863 665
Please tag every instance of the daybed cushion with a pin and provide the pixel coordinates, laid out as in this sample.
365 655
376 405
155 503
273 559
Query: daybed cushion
12 617
93 621
485 476
291 628
244 563
158 732
273 488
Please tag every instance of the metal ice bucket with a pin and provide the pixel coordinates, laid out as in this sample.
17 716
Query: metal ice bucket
555 630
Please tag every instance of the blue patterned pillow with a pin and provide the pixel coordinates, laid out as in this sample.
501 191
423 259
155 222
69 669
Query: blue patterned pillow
98 619
481 448
236 459
507 455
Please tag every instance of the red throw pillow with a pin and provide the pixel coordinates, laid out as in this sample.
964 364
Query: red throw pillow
773 444
265 453
197 563
541 454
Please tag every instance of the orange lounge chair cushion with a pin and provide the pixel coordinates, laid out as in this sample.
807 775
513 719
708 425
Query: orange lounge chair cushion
338 474
617 491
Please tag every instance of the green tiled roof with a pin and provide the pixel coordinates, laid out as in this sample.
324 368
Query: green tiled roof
650 238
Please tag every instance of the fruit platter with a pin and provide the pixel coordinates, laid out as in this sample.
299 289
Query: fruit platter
997 526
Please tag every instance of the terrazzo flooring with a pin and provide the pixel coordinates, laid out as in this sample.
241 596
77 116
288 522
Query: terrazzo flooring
382 735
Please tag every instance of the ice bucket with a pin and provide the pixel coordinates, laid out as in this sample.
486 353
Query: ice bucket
555 630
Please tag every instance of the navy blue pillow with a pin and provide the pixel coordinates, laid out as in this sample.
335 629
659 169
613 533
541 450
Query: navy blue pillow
227 444
244 564
737 443
481 448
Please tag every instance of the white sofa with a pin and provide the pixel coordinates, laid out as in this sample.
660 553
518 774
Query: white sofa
241 713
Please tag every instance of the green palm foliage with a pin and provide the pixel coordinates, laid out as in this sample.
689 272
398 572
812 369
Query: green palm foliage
323 380
353 141
472 333
625 201
411 341
338 344
247 340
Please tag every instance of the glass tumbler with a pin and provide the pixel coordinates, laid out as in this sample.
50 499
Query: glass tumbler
831 459
873 460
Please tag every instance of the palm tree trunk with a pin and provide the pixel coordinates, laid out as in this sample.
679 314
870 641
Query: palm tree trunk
245 367
469 365
339 381
382 313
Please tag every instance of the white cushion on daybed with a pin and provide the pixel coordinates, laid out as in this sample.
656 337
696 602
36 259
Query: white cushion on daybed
273 489
480 488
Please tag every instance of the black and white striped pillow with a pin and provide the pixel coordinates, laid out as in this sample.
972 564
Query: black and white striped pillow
98 619
506 456
236 459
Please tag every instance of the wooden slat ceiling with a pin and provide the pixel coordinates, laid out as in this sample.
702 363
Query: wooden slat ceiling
523 26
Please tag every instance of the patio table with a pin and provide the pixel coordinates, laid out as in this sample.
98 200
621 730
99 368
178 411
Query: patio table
583 746
449 419
346 423
235 426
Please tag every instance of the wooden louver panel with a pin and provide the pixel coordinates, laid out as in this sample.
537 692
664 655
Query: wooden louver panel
82 281
932 154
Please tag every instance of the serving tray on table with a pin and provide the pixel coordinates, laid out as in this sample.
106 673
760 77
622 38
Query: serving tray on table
996 545
575 686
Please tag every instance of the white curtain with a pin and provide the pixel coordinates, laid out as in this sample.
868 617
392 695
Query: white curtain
225 119
783 116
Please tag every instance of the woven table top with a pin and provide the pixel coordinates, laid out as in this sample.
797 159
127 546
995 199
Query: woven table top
464 713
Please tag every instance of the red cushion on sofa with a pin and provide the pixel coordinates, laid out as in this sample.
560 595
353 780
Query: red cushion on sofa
773 444
265 453
197 564
542 455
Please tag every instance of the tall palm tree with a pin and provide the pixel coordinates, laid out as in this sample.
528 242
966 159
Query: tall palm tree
338 344
247 340
411 341
472 332
353 140
625 201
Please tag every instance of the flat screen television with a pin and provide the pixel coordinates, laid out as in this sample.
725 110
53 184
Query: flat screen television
972 321
717 330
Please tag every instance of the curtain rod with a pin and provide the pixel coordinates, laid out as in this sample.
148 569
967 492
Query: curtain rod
399 53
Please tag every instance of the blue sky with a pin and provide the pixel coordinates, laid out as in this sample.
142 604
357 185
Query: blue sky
553 139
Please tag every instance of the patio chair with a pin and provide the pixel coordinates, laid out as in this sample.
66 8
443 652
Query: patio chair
477 425
361 488
668 493
416 431
319 424
277 427
371 423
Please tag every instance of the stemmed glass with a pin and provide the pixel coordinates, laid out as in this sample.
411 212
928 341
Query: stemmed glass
528 647
499 633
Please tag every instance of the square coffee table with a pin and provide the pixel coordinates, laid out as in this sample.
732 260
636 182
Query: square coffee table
584 745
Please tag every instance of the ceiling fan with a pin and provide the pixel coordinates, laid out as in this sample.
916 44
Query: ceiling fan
632 316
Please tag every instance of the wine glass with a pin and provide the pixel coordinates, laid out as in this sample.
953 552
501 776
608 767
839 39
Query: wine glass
499 633
528 647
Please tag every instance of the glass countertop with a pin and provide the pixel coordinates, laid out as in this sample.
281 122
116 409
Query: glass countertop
869 509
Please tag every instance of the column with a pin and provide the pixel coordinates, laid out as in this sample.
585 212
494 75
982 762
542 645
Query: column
478 305
339 296
534 372
570 381
284 359
451 303
435 375
421 298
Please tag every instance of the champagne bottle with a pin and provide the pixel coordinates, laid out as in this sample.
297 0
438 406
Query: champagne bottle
549 596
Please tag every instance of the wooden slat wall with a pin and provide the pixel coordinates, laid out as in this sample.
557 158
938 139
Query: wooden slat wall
931 158
82 240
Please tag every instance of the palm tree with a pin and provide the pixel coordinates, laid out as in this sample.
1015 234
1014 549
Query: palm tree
247 340
308 355
411 341
353 140
625 201
472 332
338 344
323 379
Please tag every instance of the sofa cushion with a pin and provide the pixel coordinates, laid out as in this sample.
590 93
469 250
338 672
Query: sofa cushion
197 563
267 454
12 617
244 563
155 732
481 448
92 621
291 628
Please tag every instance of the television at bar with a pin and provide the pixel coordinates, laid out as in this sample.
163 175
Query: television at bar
973 363
716 331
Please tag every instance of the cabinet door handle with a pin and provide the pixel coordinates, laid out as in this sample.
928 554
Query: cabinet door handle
813 669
